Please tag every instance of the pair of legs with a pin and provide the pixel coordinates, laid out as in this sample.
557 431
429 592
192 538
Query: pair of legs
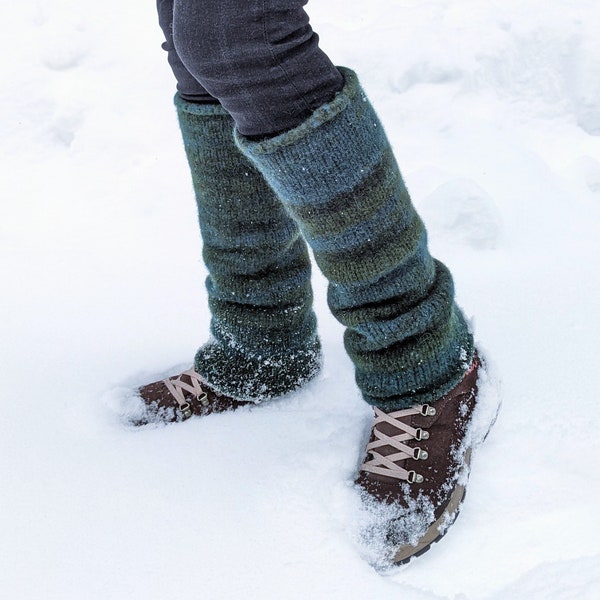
257 65
286 152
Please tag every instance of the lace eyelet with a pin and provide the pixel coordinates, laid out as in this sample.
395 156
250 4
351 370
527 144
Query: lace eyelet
186 410
427 411
421 434
203 400
419 454
414 477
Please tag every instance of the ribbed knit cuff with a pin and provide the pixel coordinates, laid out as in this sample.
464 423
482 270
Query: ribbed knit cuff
202 110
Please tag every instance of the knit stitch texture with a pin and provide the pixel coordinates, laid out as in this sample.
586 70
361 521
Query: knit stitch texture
337 176
264 341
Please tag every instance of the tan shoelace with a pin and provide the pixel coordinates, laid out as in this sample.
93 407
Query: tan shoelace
177 386
386 465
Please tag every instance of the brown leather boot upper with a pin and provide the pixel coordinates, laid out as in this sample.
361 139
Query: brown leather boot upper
442 450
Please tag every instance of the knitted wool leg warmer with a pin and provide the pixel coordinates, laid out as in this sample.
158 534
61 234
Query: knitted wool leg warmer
264 340
337 175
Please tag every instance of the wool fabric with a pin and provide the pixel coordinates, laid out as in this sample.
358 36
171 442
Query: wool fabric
337 176
263 329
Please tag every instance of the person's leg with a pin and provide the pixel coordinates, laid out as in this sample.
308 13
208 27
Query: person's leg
336 174
188 86
264 341
410 344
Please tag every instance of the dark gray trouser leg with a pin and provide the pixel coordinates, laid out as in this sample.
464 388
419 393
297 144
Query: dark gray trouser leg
187 85
260 58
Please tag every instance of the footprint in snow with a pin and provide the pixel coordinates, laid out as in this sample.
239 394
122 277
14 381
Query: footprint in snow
463 212
65 124
588 169
425 72
63 44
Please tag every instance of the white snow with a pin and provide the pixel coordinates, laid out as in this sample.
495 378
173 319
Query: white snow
493 109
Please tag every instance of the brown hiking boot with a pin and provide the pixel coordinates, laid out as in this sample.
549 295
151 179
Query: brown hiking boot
180 397
416 467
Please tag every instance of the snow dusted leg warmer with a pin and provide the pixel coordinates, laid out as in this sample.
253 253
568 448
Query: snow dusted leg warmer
337 175
263 328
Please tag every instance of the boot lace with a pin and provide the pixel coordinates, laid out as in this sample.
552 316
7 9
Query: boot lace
386 465
177 386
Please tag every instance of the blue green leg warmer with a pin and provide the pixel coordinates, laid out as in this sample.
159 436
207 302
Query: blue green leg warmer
264 341
336 174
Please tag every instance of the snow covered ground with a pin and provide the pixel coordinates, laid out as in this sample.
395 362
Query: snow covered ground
494 111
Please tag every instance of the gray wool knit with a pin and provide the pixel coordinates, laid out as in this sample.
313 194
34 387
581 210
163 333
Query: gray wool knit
264 341
337 176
